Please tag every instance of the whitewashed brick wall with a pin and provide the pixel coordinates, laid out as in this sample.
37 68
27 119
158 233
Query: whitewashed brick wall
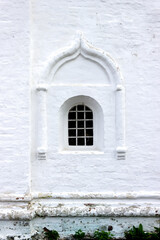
14 97
30 32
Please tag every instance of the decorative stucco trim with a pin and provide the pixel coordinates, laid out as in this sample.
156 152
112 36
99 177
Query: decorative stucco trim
42 122
95 210
15 197
71 209
97 195
120 122
80 195
81 46
42 87
41 153
27 207
121 153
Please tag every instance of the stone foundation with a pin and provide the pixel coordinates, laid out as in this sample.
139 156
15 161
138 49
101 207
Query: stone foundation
66 226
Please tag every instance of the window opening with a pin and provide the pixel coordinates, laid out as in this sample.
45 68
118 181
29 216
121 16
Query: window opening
80 126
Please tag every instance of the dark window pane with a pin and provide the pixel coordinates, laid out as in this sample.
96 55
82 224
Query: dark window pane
87 108
72 133
80 115
89 115
73 109
72 115
80 107
89 132
80 124
81 132
89 141
72 124
81 141
72 141
89 124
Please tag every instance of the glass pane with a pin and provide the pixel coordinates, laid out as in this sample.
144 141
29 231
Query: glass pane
80 107
72 115
80 115
89 124
89 141
87 108
73 109
81 132
72 133
72 141
80 141
80 124
89 115
72 124
89 132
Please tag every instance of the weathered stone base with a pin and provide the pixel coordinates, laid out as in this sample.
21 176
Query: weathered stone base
24 217
14 230
66 226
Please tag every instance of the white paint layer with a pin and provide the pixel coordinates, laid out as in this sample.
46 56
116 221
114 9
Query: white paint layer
43 52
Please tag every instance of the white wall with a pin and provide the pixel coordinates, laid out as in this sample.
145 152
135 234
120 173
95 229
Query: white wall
14 97
129 32
30 32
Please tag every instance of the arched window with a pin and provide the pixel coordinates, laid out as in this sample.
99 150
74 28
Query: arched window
80 126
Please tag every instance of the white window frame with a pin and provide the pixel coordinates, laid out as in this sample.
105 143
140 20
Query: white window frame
98 125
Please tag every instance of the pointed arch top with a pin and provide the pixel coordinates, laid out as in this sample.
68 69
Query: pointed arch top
80 46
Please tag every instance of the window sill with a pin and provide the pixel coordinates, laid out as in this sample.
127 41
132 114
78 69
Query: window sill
96 152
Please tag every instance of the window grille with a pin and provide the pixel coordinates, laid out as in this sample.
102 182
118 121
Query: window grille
80 126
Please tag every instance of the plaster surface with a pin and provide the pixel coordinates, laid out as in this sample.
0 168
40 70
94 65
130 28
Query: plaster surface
63 187
15 97
129 32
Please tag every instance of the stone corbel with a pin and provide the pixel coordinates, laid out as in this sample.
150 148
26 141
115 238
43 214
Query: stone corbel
42 122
